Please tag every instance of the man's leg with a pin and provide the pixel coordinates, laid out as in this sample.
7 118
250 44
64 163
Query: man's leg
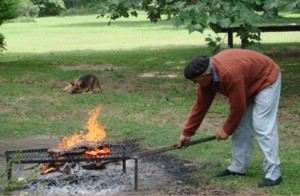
242 143
265 127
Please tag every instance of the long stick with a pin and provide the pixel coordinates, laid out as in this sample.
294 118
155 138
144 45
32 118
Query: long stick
175 146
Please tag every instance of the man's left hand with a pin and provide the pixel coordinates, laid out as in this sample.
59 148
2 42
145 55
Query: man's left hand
222 135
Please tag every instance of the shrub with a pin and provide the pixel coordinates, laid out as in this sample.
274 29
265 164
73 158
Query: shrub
8 10
2 43
28 9
50 7
85 4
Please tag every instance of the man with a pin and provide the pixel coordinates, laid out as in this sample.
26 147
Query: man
252 82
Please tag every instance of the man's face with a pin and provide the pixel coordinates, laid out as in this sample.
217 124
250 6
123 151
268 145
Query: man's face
203 79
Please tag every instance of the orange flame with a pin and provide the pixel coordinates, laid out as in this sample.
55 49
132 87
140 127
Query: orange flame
94 132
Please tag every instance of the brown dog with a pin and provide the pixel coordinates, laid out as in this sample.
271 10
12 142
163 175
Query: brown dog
84 84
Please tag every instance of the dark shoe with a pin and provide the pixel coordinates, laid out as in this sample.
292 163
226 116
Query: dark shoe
228 173
268 182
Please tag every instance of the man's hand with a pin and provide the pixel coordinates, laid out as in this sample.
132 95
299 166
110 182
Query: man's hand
183 141
222 135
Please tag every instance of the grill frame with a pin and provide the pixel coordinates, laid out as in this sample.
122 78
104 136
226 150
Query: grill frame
118 153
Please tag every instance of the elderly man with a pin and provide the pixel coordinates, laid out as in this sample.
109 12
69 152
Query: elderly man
252 82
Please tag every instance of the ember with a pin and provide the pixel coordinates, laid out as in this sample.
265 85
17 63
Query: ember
98 152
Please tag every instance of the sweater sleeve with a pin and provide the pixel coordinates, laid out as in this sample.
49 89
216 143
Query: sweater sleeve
238 105
201 105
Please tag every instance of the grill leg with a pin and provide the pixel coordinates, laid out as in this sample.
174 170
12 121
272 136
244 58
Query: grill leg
124 165
135 174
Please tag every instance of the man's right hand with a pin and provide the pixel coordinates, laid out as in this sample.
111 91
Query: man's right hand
183 141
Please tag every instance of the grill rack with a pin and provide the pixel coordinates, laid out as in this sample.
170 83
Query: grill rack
118 152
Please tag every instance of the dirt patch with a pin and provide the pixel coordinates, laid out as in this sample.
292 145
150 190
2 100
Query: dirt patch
2 80
290 53
157 174
158 75
108 67
39 141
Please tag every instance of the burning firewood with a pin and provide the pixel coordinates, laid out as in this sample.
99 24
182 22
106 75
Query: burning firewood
64 151
50 167
57 150
88 145
78 148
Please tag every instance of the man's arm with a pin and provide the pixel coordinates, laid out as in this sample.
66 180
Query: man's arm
203 101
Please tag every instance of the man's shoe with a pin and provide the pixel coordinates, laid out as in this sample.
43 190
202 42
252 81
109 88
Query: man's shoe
228 173
268 182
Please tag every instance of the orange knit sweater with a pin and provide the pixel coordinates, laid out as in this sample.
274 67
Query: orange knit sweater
242 73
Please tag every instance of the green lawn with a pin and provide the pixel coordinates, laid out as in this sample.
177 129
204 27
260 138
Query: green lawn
139 99
89 33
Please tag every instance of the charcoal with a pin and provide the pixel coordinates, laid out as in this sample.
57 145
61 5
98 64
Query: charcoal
78 148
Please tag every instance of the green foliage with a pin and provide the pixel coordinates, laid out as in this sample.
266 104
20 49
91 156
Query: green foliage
50 7
27 9
119 8
14 182
214 14
216 44
81 7
8 10
2 43
83 4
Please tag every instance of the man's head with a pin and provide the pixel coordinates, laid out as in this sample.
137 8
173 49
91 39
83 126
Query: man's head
199 70
196 67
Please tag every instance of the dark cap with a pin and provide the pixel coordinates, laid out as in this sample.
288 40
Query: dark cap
196 67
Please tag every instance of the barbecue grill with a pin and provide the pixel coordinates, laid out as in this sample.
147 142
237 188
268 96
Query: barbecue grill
117 153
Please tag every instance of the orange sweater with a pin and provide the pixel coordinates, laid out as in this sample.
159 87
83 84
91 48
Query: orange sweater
242 73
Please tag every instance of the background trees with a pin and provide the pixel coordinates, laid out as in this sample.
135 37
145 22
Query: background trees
197 15
8 10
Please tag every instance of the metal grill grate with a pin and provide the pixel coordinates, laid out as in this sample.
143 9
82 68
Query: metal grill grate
118 152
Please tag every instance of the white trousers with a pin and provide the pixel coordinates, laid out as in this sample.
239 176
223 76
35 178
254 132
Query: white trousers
260 120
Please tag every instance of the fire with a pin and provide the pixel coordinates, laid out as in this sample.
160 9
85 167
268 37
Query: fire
93 131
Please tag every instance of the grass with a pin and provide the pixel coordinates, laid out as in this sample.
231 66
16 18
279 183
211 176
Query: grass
43 56
66 34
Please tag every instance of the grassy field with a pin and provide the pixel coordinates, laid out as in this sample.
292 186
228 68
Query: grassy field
144 94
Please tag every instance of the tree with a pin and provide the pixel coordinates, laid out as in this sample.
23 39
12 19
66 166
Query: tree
197 15
50 7
8 10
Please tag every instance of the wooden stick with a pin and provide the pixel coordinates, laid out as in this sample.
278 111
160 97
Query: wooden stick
175 146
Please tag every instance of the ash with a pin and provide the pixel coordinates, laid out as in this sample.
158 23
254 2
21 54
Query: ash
159 174
109 180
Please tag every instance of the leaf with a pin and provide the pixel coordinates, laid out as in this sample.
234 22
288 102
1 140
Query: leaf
208 39
274 5
178 22
212 20
198 27
258 2
191 28
225 22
